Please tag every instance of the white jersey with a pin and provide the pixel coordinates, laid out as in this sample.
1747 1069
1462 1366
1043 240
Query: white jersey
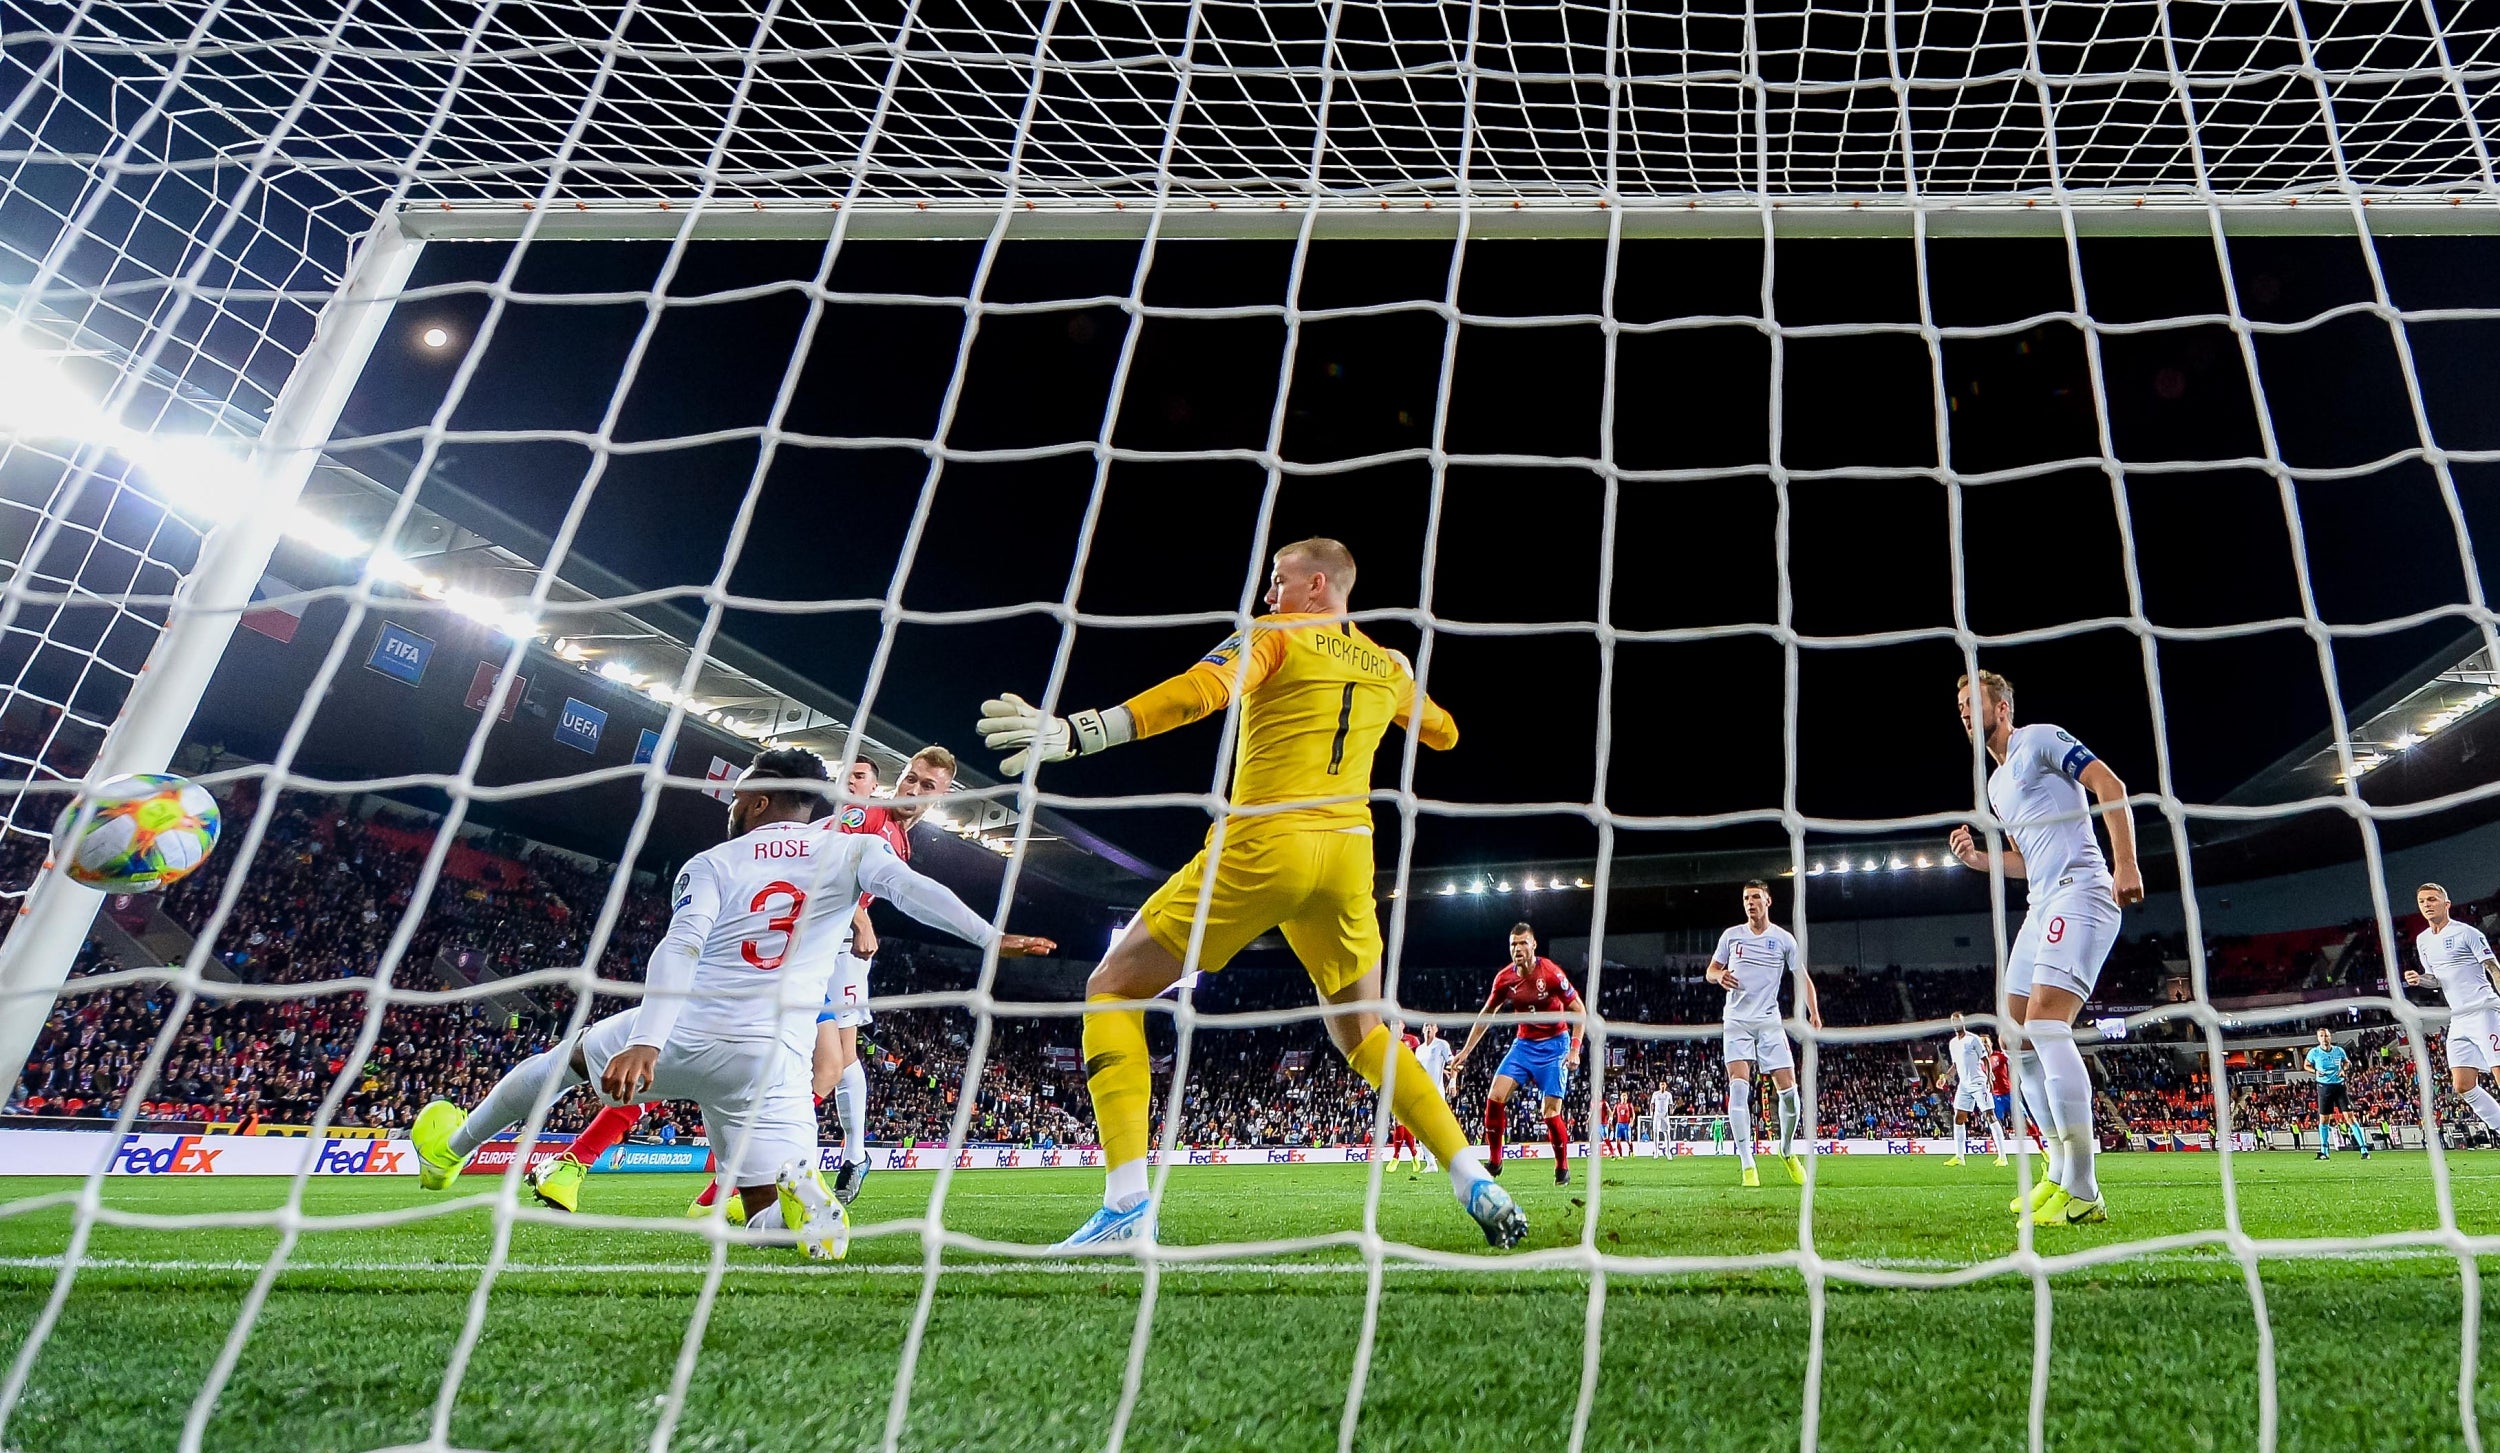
769 911
2455 956
1435 1054
1757 960
1661 1106
2037 792
1970 1061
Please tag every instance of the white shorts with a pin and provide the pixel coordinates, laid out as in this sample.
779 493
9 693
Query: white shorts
2474 1040
1968 1096
846 997
2065 940
757 1109
1764 1042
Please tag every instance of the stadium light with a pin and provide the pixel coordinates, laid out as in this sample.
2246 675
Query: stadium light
1583 882
1924 862
1870 865
1842 866
619 671
1504 885
1815 871
1448 888
206 478
1476 887
1896 865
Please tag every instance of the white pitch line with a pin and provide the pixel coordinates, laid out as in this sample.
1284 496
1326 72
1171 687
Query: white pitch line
1104 1267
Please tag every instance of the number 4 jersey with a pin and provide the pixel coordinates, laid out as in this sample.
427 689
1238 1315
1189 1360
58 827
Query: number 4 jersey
761 918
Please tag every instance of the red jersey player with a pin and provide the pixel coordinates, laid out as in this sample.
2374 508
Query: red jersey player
925 778
1529 984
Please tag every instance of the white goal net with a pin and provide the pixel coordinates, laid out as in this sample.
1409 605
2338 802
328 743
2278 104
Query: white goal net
213 214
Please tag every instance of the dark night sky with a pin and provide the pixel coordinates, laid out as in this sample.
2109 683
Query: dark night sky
1696 725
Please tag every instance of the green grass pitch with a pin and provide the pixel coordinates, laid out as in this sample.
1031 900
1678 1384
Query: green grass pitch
583 1330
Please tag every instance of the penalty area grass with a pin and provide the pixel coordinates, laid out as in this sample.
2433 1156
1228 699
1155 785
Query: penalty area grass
583 1329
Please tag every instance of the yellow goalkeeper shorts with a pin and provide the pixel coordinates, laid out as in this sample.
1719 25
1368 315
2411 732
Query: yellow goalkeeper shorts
1316 886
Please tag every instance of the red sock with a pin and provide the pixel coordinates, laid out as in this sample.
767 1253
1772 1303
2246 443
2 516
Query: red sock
1496 1120
711 1193
604 1130
1559 1133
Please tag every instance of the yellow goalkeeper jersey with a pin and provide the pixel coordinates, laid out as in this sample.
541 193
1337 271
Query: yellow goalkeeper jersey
1317 696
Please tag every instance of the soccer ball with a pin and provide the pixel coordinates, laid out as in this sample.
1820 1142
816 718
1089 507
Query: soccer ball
147 831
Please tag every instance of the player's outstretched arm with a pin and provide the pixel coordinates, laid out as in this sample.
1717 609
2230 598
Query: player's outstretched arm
2126 877
1011 722
1475 1032
667 981
1814 1001
933 903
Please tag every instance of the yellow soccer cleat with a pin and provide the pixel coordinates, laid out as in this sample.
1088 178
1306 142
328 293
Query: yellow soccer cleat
2001 1160
1957 1160
2048 1215
557 1182
1796 1169
1752 1180
2040 1193
2067 1211
696 1210
808 1207
437 1164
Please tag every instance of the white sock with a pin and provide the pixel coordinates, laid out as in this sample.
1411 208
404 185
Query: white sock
1791 1106
2484 1106
1961 1137
1740 1118
508 1104
2037 1105
2070 1093
1996 1134
1466 1168
1125 1186
850 1106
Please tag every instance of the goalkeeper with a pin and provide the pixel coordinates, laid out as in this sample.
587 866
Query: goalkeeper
1295 853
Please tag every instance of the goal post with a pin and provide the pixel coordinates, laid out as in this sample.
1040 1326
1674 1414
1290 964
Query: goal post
1282 216
54 918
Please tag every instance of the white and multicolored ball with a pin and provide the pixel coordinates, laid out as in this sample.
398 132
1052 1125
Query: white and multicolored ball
147 830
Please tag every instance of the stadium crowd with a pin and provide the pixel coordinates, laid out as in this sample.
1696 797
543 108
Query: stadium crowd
328 889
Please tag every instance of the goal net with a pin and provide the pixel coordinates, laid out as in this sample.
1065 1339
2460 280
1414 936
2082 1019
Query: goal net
1800 345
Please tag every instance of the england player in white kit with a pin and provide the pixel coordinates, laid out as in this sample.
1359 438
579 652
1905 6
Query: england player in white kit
1969 1053
1434 1054
1749 963
2038 792
728 1016
2460 959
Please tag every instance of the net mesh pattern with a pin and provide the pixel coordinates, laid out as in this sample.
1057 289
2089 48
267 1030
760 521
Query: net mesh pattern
185 186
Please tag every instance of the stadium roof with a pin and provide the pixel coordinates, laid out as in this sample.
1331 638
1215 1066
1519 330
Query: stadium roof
602 624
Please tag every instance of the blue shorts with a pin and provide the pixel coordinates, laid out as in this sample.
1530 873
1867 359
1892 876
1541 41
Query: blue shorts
1539 1062
2005 1109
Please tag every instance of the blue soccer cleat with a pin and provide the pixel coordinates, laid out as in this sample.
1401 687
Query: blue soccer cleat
1493 1209
1108 1229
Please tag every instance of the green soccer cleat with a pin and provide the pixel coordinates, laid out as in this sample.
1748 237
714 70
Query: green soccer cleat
437 1165
2067 1211
1957 1160
1796 1169
2040 1193
2056 1201
557 1182
808 1207
699 1208
1753 1179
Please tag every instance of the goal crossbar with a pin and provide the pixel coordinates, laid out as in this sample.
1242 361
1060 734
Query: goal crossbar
2325 214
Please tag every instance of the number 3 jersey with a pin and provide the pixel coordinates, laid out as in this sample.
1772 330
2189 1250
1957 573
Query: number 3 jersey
755 923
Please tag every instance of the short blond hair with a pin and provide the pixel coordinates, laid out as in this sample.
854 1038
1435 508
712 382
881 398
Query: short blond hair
1329 557
937 757
1991 686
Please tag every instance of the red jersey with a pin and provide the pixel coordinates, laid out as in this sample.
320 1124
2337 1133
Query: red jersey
880 821
2000 1074
1542 990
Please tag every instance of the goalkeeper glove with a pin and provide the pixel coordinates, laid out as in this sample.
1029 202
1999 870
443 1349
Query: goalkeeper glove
1011 721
